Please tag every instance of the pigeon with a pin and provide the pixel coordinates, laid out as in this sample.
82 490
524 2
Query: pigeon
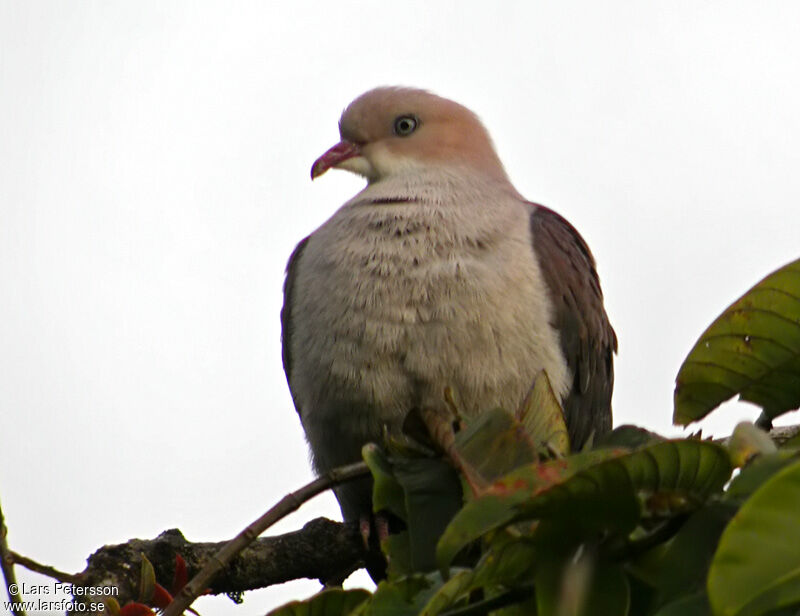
437 275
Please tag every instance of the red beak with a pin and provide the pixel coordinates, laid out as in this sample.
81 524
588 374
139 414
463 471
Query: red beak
338 153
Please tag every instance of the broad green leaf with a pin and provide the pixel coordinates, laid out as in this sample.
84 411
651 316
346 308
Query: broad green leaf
497 507
543 418
494 444
432 491
329 602
751 349
757 566
422 491
614 494
597 490
387 494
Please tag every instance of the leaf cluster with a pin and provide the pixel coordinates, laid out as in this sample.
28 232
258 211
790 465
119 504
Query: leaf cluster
634 524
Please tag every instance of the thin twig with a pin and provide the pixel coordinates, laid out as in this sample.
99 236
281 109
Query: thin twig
289 503
7 565
32 565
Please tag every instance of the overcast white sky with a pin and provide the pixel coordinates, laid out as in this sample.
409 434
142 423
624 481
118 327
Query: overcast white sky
154 178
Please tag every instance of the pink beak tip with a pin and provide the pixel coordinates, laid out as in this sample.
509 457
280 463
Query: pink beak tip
335 155
318 168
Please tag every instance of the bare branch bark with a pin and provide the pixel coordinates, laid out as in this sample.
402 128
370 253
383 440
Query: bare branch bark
324 550
287 504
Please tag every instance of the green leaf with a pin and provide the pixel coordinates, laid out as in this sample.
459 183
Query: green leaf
508 563
604 489
112 606
450 593
147 580
497 507
683 565
757 566
751 349
329 602
614 494
432 491
494 443
609 592
387 493
422 491
695 604
402 597
628 437
543 418
584 586
509 560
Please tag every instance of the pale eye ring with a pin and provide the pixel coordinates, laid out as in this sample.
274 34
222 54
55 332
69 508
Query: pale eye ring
404 125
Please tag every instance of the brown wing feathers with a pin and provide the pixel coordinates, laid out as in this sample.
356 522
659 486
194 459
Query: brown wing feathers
587 339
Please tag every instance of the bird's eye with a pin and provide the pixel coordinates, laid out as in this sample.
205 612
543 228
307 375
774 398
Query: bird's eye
405 125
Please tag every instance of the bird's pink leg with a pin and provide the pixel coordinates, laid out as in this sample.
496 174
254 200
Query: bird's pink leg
364 525
382 527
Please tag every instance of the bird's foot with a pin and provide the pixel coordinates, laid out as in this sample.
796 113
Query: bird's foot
365 528
381 525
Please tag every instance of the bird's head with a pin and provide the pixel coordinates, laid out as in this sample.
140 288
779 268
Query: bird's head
391 131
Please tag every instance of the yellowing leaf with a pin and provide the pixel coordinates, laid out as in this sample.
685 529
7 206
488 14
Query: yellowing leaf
543 417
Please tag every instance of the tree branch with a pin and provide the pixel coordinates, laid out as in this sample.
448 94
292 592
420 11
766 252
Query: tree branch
51 572
288 503
7 567
324 550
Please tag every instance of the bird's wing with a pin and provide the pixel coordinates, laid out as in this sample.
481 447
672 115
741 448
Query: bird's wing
286 313
587 339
